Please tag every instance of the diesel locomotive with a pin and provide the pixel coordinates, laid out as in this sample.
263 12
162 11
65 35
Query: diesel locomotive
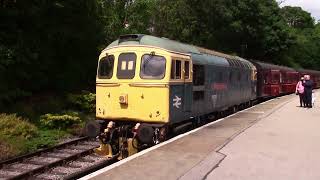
148 86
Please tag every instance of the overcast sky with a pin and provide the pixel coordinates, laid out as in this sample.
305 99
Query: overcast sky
312 6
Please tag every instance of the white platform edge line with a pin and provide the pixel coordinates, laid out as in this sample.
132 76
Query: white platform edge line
103 170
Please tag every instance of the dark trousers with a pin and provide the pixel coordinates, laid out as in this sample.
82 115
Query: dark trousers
308 99
302 99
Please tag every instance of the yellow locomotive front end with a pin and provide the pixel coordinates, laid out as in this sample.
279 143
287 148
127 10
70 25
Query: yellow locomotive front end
132 85
134 95
132 99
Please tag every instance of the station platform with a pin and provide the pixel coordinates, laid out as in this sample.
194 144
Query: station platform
272 140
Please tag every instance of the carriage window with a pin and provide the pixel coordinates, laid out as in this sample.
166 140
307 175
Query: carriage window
266 78
126 65
152 67
220 77
186 69
198 75
176 69
281 78
230 76
105 70
275 78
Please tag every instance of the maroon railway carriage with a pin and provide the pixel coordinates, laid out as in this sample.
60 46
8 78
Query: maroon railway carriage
288 80
274 80
314 76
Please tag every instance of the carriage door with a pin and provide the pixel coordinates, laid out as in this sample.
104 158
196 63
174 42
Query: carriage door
187 86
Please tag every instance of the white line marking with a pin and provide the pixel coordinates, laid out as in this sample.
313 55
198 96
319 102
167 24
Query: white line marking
103 170
254 112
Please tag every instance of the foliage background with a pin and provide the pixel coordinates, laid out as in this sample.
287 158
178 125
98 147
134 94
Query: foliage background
52 46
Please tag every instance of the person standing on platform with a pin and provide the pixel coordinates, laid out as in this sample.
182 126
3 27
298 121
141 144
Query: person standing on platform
300 92
308 85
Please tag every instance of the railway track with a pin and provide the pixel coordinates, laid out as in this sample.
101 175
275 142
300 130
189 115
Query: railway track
69 160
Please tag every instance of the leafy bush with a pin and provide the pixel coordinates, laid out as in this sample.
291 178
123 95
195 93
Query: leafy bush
45 139
5 150
83 102
60 120
13 146
12 126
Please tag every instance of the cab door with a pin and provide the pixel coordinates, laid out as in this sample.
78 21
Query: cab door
187 77
180 90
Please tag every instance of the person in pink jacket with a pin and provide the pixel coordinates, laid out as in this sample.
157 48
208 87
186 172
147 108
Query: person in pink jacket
300 92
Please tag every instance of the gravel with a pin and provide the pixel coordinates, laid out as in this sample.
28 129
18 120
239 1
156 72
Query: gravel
63 170
42 160
8 173
94 158
71 151
58 154
83 147
49 176
91 143
81 164
24 166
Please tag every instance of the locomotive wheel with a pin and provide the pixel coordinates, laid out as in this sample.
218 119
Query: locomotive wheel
234 109
145 134
163 134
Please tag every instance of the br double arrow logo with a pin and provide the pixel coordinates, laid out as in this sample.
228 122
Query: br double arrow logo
177 102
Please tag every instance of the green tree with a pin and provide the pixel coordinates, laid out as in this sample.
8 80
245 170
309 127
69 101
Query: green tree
125 16
254 29
296 17
47 46
305 51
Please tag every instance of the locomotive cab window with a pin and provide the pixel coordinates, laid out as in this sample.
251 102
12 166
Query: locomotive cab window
198 75
187 70
176 69
198 82
152 67
126 66
105 70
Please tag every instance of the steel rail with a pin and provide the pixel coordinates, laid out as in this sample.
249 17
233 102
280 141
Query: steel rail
38 153
5 165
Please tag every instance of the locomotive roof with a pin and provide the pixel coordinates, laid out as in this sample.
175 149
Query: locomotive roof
199 55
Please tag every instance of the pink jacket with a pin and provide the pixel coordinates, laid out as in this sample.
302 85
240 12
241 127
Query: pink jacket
300 88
